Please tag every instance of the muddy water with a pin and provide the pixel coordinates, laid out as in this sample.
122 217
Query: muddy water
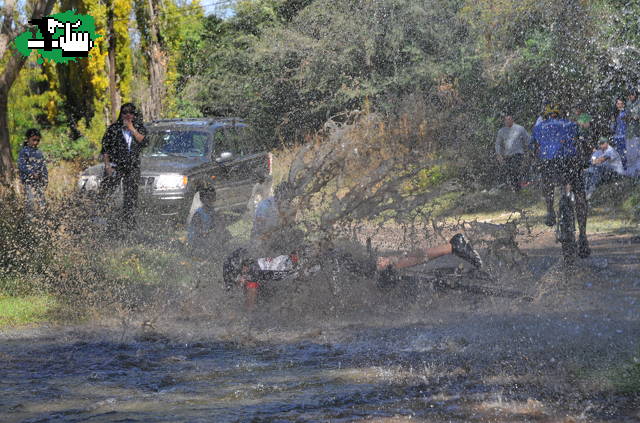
449 357
495 369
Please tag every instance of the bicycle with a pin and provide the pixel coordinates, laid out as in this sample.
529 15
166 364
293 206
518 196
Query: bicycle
260 278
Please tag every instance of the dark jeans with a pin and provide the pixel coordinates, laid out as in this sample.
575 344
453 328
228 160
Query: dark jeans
513 170
130 181
34 197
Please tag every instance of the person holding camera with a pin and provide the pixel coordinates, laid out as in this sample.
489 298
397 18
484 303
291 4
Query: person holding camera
122 144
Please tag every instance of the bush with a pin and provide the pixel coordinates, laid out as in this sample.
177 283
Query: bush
57 145
26 251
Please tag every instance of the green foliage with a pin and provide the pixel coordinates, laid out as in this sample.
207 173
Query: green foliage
124 64
631 204
58 145
289 74
289 65
24 105
430 177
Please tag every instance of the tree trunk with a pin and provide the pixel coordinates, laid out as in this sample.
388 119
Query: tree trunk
9 75
11 71
7 32
157 67
114 95
157 75
6 161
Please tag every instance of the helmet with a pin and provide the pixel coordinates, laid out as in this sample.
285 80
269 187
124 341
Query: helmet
552 109
208 190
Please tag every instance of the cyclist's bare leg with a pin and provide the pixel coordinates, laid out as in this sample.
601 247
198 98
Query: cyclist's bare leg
414 258
250 298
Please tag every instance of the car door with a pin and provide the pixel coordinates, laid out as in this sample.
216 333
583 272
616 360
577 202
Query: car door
242 166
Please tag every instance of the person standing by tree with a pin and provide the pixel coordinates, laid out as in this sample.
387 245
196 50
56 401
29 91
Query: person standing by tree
33 171
122 144
619 128
633 133
511 143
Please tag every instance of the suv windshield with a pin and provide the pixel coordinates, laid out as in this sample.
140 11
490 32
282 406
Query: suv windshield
178 143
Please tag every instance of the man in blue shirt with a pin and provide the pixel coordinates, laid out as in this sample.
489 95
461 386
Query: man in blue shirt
557 149
33 170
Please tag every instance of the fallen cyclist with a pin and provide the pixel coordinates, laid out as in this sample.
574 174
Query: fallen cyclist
274 231
253 274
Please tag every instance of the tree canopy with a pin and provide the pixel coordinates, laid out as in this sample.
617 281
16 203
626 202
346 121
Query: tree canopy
289 65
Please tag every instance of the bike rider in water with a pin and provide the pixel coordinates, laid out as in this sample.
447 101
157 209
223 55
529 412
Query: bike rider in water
560 154
274 233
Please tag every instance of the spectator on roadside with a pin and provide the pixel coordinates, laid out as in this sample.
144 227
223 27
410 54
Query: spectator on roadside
260 191
122 144
633 133
32 168
204 231
266 217
619 129
585 139
511 143
274 229
556 148
606 165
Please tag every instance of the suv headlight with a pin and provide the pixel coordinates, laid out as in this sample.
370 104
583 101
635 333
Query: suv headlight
88 182
171 181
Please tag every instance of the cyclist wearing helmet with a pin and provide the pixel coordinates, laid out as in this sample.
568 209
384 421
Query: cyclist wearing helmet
252 274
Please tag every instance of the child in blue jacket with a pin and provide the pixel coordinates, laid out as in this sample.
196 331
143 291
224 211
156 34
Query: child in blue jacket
32 168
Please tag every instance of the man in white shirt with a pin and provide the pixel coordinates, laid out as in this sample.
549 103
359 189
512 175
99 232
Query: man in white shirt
274 230
511 143
606 165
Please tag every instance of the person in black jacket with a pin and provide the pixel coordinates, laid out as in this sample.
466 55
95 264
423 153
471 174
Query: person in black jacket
122 144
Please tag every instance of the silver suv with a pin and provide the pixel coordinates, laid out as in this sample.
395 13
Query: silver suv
184 155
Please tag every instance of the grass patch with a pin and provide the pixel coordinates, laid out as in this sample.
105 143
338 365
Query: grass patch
140 264
627 379
614 212
17 311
